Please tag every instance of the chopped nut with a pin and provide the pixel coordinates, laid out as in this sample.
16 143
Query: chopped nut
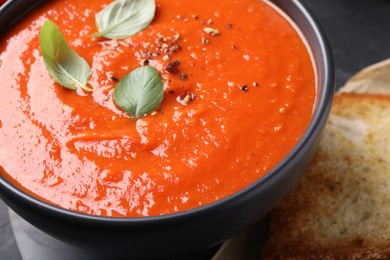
155 54
185 98
106 98
211 31
205 41
175 48
176 37
244 88
282 110
153 113
182 76
166 58
209 21
255 84
195 16
165 46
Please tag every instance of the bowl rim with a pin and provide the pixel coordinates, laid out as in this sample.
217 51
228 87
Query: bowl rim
324 101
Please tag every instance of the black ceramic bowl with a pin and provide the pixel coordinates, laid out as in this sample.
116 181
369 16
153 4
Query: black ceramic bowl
190 231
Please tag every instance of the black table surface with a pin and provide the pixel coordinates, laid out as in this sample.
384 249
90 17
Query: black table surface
359 35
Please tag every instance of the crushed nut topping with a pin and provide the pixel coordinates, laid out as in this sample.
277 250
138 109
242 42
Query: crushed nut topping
176 37
205 41
185 98
106 98
164 46
182 76
211 31
165 58
175 48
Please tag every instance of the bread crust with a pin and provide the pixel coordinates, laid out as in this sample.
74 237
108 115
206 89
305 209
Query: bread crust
340 209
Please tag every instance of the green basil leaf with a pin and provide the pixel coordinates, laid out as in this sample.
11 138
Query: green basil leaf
124 18
140 91
64 65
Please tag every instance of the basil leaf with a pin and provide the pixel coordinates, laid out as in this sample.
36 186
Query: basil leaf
124 18
64 65
140 91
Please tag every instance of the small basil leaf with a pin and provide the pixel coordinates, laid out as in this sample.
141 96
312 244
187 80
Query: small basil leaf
64 65
140 91
124 18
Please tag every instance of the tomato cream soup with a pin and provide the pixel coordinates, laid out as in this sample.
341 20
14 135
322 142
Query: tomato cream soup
239 90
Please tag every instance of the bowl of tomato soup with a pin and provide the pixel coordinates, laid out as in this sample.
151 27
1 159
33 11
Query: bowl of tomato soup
243 88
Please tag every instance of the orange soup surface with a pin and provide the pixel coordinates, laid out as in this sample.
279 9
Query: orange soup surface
235 103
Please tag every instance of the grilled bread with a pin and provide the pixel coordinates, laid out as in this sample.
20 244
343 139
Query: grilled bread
340 209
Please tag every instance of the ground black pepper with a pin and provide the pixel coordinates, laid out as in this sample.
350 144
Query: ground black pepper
146 62
172 67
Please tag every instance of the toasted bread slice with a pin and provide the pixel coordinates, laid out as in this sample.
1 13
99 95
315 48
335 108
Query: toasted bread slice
340 209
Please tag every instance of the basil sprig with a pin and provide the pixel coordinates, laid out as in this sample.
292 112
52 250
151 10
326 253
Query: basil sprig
64 65
140 91
124 18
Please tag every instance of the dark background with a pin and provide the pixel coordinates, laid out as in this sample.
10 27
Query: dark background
359 35
358 32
